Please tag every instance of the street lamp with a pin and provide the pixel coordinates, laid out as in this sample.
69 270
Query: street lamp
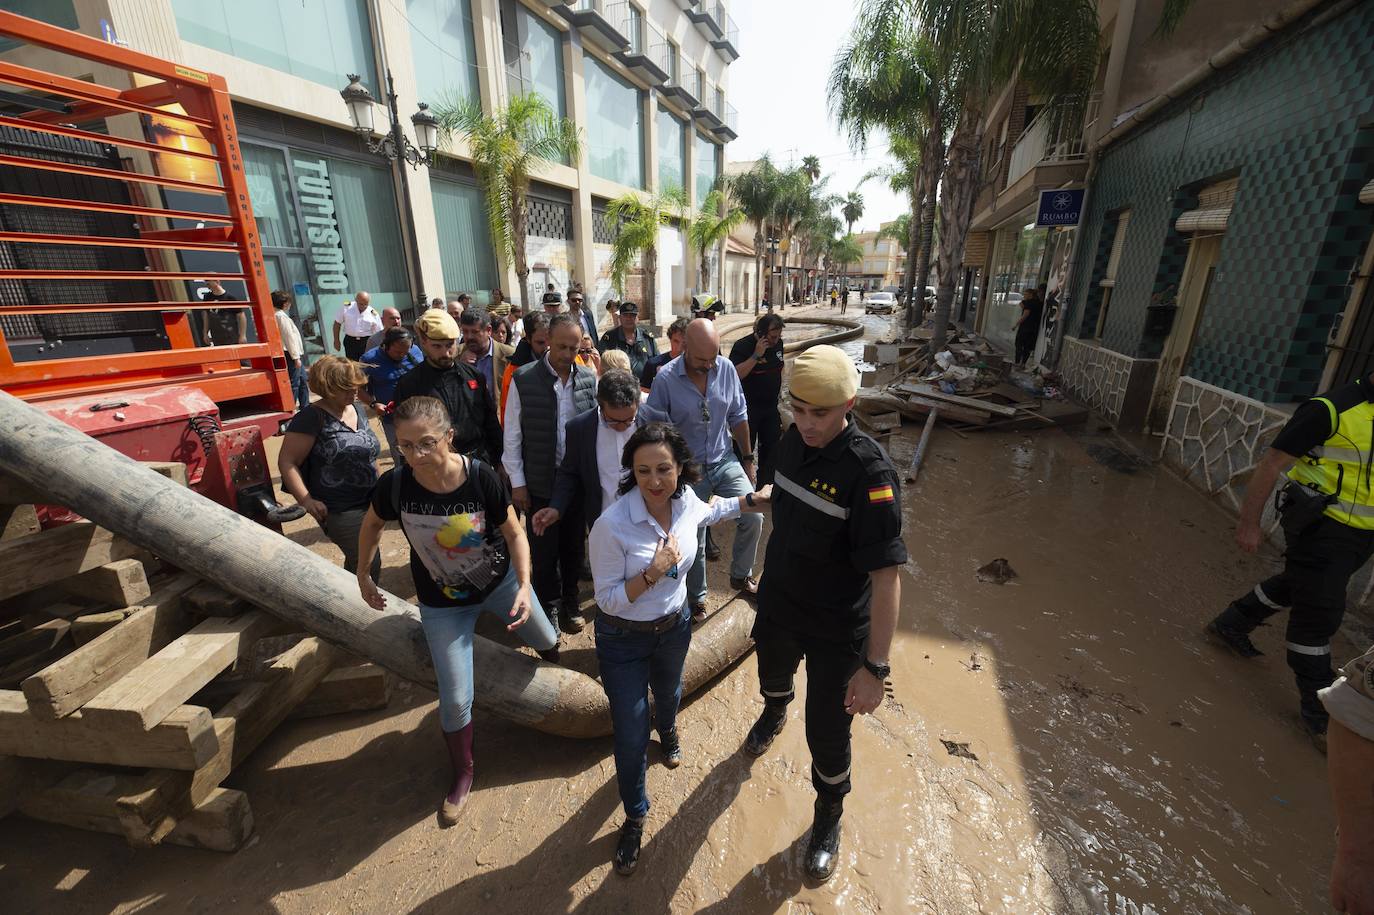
773 242
394 144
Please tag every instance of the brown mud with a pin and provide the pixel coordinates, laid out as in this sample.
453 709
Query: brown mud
1062 743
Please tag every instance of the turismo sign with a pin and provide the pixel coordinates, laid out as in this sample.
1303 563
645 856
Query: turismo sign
1059 208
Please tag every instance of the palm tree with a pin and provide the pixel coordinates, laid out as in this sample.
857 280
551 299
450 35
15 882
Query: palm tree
757 192
853 210
843 252
711 227
793 202
506 147
899 230
811 167
635 221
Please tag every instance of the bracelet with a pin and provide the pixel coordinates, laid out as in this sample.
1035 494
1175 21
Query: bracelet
746 457
648 582
749 499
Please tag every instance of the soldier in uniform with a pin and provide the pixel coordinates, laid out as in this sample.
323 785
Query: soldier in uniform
1327 511
830 585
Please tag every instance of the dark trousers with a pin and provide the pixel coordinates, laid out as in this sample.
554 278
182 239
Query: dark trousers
556 559
829 666
1317 567
765 430
1025 345
354 347
632 664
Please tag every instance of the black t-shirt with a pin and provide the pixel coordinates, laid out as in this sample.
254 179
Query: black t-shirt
457 552
224 322
1031 326
1311 423
763 385
342 466
646 377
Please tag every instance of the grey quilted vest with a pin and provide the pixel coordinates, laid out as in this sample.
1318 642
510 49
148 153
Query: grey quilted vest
539 419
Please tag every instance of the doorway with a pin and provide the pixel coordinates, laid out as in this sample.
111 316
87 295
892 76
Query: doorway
1204 253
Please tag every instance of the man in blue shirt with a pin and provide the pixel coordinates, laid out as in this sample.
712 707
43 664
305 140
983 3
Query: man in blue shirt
385 364
700 393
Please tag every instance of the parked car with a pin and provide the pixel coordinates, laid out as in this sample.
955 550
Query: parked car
879 303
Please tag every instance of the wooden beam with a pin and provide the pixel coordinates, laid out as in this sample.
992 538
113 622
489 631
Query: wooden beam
209 599
119 584
184 740
91 626
930 393
356 688
155 688
66 685
241 725
53 555
88 799
38 639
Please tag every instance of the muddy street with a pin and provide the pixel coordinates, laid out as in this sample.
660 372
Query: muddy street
1060 743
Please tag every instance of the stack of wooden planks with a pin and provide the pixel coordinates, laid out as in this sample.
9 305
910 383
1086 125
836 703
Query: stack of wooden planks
129 692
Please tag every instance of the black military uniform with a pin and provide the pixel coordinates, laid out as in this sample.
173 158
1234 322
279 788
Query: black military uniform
836 519
476 429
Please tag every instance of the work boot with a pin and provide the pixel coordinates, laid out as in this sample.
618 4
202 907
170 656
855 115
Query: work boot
768 726
570 620
823 850
1315 733
1232 630
627 849
671 748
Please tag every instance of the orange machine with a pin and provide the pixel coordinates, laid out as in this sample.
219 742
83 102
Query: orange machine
101 317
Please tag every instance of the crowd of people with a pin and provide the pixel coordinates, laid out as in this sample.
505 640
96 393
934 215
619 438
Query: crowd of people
524 460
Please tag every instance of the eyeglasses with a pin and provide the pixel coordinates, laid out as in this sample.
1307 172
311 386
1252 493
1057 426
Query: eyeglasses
419 449
619 425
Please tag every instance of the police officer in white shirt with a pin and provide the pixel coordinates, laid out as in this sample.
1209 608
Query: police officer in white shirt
357 321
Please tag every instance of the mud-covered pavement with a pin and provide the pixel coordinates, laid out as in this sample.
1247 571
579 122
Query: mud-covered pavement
1062 743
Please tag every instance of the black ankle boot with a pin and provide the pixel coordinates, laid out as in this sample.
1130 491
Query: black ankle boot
671 748
627 849
1232 630
823 850
768 726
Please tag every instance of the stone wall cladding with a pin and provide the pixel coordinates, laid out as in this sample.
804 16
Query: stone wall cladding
1096 377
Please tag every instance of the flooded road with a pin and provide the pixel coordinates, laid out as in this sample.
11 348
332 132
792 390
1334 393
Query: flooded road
1061 743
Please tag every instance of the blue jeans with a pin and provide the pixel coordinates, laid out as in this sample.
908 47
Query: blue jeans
632 663
296 376
725 478
389 430
449 633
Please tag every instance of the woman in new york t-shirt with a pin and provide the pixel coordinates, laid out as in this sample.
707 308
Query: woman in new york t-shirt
468 554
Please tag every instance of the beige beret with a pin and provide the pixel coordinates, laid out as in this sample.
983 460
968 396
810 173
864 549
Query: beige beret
824 376
437 324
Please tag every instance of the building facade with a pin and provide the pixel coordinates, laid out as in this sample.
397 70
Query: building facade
644 81
883 263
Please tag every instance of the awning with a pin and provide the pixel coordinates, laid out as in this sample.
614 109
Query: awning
1213 208
1367 193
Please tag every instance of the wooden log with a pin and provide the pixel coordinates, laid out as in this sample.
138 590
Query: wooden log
118 584
915 467
356 688
90 626
184 740
240 726
968 403
88 799
68 684
53 555
155 688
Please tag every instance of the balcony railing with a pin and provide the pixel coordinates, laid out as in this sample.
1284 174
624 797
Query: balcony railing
727 44
604 23
649 55
1057 134
662 52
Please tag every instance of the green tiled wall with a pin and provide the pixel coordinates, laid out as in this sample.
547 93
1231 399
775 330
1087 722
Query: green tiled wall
1292 123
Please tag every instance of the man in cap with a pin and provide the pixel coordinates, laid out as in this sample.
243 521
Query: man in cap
458 385
552 302
830 585
630 339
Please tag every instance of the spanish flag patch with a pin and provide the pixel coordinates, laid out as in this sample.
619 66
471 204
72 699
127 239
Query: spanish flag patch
880 494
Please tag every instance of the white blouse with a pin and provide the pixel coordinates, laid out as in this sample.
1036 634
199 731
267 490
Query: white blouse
623 542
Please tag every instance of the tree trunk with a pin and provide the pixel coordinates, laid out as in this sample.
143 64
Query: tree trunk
933 154
519 221
649 288
958 190
913 248
758 266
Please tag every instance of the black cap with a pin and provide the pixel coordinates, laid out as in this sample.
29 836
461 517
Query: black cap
628 307
553 298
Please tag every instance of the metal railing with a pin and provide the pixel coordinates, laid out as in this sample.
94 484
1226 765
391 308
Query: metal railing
1057 134
731 31
626 19
731 117
656 47
698 87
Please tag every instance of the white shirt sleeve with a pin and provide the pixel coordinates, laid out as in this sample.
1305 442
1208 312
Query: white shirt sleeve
608 569
512 456
339 319
722 508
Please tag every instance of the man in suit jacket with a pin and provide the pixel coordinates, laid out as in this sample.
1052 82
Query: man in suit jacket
590 473
483 351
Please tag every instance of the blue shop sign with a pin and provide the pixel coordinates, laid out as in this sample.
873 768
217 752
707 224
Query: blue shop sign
1059 208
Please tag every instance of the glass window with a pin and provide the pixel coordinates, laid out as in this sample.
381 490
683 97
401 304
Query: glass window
443 49
705 168
615 130
464 241
269 187
318 40
61 13
534 56
672 152
365 206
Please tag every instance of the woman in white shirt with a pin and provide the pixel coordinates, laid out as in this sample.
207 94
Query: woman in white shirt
642 547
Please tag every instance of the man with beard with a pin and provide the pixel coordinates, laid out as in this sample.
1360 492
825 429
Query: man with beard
459 386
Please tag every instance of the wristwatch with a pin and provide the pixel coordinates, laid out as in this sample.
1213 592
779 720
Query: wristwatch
881 671
747 458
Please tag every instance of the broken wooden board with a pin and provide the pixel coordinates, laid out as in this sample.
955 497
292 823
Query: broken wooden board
184 740
54 555
155 688
122 583
87 799
66 685
968 403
